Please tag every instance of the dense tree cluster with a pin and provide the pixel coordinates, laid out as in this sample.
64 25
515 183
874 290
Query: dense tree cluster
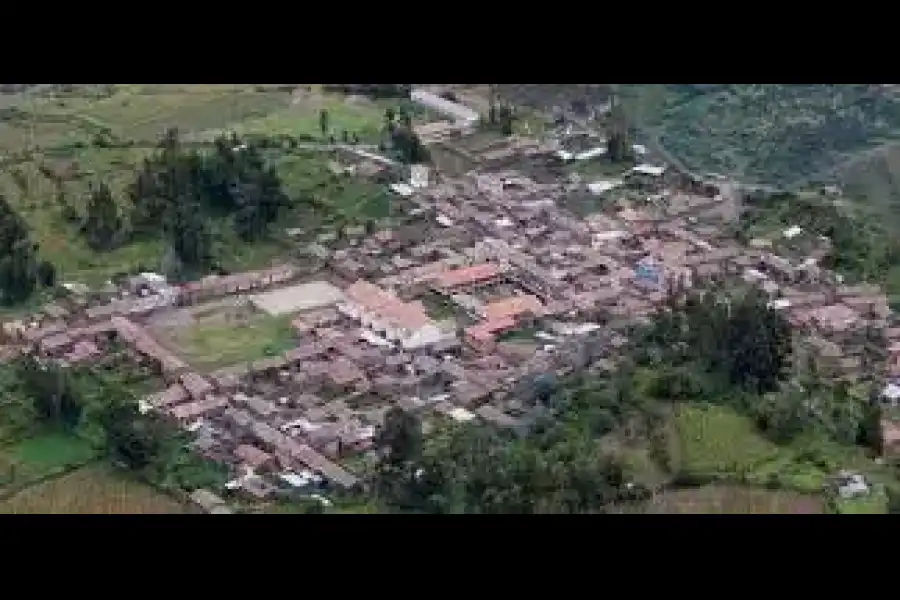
21 270
179 190
736 350
468 469
180 193
401 141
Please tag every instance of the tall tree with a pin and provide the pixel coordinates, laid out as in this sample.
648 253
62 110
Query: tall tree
18 257
103 224
324 122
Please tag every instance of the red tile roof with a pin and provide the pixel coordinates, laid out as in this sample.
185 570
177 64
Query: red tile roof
467 275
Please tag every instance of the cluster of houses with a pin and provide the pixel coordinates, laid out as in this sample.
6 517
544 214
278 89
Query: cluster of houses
490 283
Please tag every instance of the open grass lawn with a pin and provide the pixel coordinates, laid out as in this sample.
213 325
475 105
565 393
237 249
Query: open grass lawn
223 341
91 490
721 499
42 455
52 450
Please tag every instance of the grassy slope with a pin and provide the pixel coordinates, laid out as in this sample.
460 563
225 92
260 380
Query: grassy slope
140 113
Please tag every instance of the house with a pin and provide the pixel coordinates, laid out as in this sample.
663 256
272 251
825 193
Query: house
466 277
196 385
207 501
185 413
482 337
851 485
514 307
254 458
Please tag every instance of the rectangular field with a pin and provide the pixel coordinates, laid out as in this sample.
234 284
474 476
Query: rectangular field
228 338
91 490
40 456
733 500
139 113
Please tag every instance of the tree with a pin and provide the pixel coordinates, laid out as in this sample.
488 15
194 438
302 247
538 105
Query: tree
46 273
103 223
893 501
618 145
400 440
179 191
324 122
756 343
50 388
505 117
134 439
401 436
188 233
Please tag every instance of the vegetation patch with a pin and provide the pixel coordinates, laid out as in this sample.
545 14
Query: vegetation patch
346 119
875 503
715 441
519 334
42 455
332 200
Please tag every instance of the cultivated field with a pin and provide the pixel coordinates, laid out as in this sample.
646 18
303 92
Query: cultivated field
716 440
733 500
91 490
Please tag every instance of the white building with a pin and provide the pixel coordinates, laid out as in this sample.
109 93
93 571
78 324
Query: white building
457 112
404 323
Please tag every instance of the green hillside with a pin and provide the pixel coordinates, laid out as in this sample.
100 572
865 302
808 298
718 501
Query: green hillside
771 133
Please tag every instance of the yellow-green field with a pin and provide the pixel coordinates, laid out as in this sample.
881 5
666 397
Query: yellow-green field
224 339
717 440
91 490
356 115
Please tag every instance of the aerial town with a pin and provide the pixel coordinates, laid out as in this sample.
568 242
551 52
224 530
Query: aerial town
496 275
